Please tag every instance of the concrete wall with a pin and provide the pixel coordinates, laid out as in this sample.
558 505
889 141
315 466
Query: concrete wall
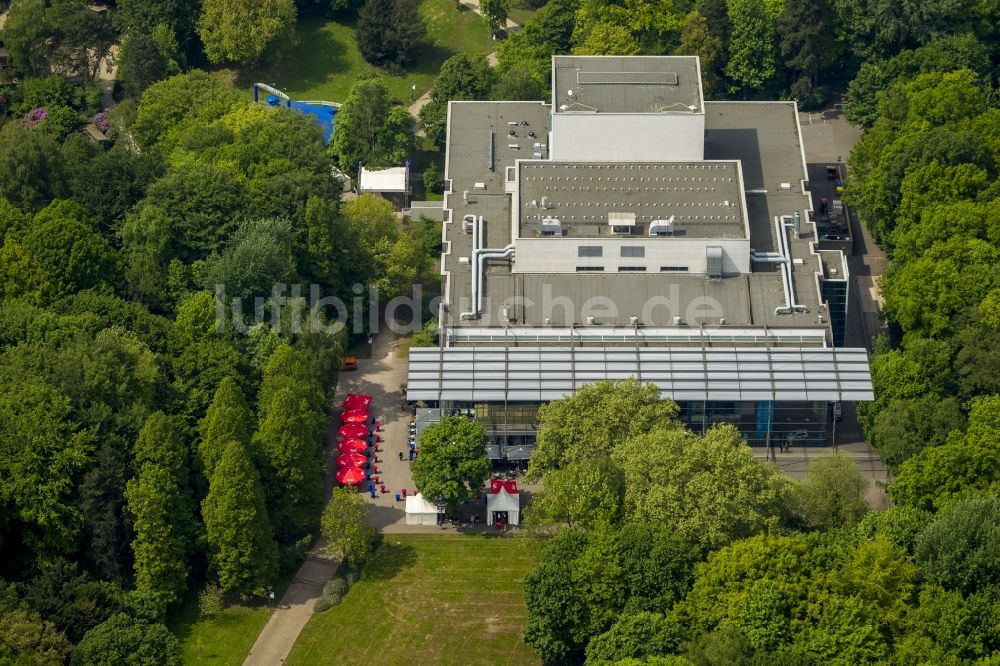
643 137
560 255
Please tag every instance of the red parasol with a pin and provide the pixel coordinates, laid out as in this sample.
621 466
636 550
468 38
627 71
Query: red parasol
351 460
357 401
354 430
350 476
353 446
355 416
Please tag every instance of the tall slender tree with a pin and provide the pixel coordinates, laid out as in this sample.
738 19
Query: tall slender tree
162 523
290 445
242 553
228 419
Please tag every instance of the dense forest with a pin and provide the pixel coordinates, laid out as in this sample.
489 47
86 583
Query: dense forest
669 548
148 452
148 444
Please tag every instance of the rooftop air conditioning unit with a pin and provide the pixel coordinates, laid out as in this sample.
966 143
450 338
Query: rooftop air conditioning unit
550 226
662 227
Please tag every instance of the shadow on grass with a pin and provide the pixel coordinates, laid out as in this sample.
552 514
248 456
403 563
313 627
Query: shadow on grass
319 54
391 558
429 59
186 618
183 621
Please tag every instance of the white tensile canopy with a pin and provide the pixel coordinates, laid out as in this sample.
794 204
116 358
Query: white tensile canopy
419 511
504 501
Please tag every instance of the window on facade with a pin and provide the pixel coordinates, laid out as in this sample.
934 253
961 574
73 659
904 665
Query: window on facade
633 251
631 269
589 251
589 269
673 269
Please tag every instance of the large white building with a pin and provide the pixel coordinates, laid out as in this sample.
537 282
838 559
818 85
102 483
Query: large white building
630 228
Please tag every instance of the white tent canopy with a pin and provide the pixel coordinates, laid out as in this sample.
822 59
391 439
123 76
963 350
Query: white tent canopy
419 511
385 180
504 501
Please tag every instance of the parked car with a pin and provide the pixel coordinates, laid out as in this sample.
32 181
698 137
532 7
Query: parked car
350 363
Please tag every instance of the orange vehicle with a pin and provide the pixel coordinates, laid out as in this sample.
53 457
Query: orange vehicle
350 363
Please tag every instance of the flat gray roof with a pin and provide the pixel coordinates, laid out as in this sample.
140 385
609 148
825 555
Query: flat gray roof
703 197
478 131
763 136
627 84
540 374
565 299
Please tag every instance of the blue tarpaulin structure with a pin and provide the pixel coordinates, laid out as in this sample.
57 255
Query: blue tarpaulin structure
323 113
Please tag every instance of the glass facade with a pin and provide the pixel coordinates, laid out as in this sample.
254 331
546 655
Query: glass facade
835 296
762 423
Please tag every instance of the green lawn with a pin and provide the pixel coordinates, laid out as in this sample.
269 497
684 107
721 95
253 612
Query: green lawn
428 599
327 62
225 639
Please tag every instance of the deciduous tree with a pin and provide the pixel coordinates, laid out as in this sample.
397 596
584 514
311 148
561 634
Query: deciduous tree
832 496
496 12
346 526
43 450
751 44
596 419
635 635
246 31
257 256
557 610
161 442
452 465
709 488
460 78
24 34
582 494
123 639
960 548
372 129
518 84
31 167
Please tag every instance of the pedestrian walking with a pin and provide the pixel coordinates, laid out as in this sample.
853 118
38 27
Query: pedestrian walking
400 455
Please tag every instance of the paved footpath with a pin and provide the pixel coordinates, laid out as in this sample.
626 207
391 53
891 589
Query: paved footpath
491 59
381 376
